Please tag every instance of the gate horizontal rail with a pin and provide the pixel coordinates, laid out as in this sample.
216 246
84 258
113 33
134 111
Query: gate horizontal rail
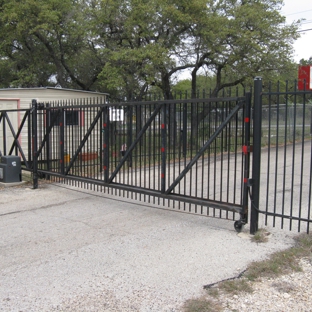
142 191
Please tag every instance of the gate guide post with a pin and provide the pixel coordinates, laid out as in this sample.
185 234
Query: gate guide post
256 160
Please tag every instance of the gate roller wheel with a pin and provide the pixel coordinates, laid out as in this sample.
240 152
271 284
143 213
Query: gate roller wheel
238 226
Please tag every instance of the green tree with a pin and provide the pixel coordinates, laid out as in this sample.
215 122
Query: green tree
148 40
248 38
204 86
48 42
306 62
127 47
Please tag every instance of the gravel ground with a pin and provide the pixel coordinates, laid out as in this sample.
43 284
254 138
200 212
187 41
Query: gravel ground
286 293
67 249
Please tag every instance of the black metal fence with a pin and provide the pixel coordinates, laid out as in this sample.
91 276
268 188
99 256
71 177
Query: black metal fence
286 162
192 155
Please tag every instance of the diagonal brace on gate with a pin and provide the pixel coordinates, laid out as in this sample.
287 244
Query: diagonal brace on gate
140 134
205 147
84 140
16 135
27 114
45 139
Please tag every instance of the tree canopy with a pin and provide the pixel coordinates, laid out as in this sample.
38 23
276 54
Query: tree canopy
126 47
306 62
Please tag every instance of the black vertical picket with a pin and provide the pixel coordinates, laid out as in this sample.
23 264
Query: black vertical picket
105 147
34 143
62 140
246 152
163 148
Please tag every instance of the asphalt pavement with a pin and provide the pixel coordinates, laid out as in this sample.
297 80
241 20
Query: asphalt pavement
64 248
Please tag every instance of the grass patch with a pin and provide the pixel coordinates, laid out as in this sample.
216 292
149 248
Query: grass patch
261 236
213 292
235 287
280 263
202 305
210 303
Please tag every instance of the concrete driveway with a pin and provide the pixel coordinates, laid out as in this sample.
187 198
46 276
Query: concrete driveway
69 249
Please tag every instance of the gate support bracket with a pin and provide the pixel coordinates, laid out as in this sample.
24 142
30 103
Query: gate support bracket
250 182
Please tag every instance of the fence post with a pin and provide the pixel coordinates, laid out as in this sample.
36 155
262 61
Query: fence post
256 159
34 143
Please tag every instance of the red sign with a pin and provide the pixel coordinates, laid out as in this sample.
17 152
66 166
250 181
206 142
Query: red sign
305 77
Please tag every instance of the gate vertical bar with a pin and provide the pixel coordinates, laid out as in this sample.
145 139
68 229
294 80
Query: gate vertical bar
163 148
62 140
184 129
129 132
246 151
35 143
4 134
48 143
106 144
101 138
29 136
256 161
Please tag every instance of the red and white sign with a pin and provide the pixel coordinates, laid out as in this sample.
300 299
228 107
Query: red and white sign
305 77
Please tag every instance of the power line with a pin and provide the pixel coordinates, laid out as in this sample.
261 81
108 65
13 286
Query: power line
304 30
298 12
306 22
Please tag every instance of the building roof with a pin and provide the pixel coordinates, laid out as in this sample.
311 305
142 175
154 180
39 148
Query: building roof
52 88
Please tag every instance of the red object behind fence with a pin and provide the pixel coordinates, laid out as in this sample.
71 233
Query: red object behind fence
304 78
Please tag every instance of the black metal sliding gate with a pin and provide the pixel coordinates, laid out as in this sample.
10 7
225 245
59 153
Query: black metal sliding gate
189 154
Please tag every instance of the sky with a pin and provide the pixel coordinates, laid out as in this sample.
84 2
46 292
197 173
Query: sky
298 9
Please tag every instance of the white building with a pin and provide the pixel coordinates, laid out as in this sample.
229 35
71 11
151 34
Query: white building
19 99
